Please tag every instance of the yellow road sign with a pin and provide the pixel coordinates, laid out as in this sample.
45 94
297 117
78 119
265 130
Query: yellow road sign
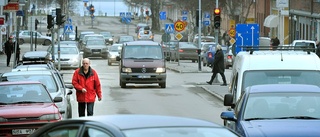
179 36
179 26
232 41
232 32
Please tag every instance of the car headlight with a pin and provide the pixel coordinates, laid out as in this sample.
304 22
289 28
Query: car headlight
126 70
110 39
50 117
74 60
160 70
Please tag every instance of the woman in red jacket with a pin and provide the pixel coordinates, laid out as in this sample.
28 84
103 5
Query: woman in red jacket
87 84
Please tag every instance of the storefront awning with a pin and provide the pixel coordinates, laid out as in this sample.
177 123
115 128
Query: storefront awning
271 21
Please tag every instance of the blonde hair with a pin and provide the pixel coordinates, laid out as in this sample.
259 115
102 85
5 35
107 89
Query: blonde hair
218 47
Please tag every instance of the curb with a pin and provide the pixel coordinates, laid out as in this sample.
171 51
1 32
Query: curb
213 93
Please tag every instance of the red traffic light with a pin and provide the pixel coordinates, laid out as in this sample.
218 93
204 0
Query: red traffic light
217 11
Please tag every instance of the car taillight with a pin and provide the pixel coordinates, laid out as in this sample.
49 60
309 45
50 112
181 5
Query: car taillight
180 50
229 57
210 55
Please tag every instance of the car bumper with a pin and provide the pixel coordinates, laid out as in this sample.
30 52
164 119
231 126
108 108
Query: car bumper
143 78
21 128
95 54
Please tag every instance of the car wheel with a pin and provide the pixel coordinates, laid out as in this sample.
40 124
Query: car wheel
162 85
47 42
122 84
21 41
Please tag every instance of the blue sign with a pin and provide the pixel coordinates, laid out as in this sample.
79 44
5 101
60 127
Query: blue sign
122 14
184 18
207 15
20 13
169 28
184 12
206 23
163 15
85 0
68 28
69 21
128 14
247 35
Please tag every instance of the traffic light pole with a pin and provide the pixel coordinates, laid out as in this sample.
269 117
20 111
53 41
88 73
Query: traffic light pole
58 34
199 37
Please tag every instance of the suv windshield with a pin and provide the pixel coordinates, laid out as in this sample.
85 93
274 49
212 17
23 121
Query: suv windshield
143 51
260 77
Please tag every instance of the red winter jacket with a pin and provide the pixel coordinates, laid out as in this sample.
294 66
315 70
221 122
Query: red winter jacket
91 84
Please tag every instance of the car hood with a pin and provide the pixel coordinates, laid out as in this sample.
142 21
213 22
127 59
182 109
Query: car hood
147 63
27 110
114 53
96 46
66 56
281 128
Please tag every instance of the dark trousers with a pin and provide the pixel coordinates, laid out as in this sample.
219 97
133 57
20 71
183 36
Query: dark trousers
8 59
222 75
82 108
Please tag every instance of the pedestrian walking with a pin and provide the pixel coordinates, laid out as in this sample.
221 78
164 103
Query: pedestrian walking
8 49
275 43
218 66
87 84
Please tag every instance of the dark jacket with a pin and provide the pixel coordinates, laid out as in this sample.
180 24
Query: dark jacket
8 47
318 50
91 84
218 62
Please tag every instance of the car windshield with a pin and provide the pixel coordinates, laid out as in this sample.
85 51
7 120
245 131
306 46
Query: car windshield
66 50
143 51
179 132
47 80
283 105
105 34
23 93
259 77
95 42
114 48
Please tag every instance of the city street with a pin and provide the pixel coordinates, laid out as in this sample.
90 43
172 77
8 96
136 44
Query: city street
187 93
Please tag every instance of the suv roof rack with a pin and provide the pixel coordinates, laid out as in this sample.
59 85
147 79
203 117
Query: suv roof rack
251 49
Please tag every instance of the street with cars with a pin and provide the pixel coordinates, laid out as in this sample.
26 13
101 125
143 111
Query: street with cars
137 78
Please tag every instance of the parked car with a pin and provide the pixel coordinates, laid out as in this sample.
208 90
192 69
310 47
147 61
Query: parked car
108 37
139 125
26 106
53 82
186 51
208 54
125 38
142 25
36 57
275 110
70 56
95 48
70 42
25 37
113 53
145 35
228 58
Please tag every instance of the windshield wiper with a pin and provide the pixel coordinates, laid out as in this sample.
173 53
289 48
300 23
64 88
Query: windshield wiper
26 102
255 119
297 117
131 58
2 103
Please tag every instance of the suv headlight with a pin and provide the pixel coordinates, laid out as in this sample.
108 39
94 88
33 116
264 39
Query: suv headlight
161 70
126 70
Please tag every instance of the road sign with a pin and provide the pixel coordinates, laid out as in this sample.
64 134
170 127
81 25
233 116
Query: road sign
184 18
68 28
232 32
207 15
247 35
169 28
163 15
20 13
166 37
206 23
184 12
128 14
206 20
122 14
179 26
232 41
178 36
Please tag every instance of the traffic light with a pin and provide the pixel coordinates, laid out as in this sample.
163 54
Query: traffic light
217 18
49 21
60 18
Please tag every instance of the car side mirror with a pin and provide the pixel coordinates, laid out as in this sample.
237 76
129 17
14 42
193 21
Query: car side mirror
118 58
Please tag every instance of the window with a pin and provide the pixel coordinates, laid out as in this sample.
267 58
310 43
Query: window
65 131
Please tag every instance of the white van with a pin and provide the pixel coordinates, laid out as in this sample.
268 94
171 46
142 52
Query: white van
273 67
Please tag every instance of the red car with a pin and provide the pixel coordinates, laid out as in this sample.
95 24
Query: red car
26 106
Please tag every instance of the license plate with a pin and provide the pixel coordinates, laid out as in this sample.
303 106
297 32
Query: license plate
22 131
96 52
143 76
